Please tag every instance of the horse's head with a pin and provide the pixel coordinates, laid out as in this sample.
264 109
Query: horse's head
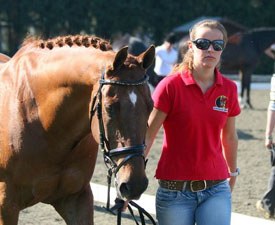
123 104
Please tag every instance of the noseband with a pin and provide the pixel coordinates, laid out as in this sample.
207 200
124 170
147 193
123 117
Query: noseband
108 153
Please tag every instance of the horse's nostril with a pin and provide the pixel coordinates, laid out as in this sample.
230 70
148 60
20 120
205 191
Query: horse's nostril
124 189
132 190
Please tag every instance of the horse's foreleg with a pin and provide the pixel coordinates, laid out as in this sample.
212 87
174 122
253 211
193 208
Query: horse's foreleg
248 90
8 215
242 80
245 78
247 84
77 209
9 210
242 86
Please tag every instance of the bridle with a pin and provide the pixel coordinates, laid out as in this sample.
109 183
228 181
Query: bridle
108 153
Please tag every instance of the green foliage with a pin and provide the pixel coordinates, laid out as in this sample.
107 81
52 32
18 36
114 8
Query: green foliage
108 18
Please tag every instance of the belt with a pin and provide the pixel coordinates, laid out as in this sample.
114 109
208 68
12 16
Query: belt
190 185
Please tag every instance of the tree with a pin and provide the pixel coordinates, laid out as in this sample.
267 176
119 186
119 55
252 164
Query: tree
107 18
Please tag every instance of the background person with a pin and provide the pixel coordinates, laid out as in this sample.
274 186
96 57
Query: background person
166 57
271 53
197 106
267 203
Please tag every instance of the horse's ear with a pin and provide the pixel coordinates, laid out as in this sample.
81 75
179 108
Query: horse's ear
235 39
120 57
147 57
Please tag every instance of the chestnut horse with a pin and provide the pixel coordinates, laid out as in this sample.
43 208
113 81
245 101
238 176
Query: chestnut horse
59 99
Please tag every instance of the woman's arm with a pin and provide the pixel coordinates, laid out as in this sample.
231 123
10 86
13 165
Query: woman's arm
155 122
270 123
230 147
269 53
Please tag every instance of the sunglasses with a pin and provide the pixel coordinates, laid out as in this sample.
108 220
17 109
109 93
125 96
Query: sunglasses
204 44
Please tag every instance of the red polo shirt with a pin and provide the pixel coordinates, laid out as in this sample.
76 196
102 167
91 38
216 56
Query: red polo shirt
192 148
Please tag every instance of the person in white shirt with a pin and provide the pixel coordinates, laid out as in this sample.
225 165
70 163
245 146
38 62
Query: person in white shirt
166 57
271 53
267 202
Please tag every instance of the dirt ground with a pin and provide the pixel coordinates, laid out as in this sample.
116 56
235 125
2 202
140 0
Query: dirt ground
253 160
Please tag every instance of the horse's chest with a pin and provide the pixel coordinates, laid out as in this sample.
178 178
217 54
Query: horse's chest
52 186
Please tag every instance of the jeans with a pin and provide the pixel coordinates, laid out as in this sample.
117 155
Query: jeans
209 207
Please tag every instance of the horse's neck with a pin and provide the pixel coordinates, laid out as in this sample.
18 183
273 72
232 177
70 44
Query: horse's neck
60 84
75 66
66 87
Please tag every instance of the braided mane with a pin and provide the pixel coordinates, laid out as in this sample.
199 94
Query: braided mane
70 40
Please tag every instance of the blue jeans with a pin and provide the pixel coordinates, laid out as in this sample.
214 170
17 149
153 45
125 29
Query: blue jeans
209 207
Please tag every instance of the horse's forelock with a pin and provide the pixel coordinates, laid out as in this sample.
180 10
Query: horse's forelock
131 62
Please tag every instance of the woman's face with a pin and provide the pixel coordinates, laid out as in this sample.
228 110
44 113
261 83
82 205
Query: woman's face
208 58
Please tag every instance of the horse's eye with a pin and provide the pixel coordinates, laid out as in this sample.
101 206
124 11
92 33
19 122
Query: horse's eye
111 92
112 109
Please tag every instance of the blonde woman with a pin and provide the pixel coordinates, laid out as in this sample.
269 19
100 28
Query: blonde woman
196 106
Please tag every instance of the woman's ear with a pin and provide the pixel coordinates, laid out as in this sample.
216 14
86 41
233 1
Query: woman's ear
190 46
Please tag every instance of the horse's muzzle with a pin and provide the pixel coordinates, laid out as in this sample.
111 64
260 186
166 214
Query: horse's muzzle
132 190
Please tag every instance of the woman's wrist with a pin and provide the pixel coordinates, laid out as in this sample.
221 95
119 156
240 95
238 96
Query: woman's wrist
235 173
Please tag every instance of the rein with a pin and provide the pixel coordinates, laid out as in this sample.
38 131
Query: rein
108 153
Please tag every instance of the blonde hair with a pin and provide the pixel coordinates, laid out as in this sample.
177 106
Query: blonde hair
187 62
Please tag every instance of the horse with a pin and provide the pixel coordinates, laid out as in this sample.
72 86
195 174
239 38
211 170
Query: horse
60 99
242 55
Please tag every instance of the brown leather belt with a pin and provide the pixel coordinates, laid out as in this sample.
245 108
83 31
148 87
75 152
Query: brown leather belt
192 185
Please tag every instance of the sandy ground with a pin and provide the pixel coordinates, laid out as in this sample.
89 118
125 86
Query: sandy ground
253 159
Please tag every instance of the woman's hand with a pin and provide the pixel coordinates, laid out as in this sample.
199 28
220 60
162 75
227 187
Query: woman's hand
268 142
232 181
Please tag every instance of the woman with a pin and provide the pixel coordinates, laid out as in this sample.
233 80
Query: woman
197 106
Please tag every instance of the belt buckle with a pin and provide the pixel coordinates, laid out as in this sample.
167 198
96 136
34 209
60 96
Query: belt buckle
198 188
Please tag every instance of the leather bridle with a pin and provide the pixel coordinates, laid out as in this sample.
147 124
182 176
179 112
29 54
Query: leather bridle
108 153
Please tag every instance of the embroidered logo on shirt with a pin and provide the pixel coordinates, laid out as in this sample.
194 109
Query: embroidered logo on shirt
221 104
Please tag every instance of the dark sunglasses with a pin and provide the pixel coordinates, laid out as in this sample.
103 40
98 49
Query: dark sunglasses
204 44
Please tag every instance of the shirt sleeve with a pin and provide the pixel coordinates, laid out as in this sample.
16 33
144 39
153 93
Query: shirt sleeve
271 105
161 97
235 106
